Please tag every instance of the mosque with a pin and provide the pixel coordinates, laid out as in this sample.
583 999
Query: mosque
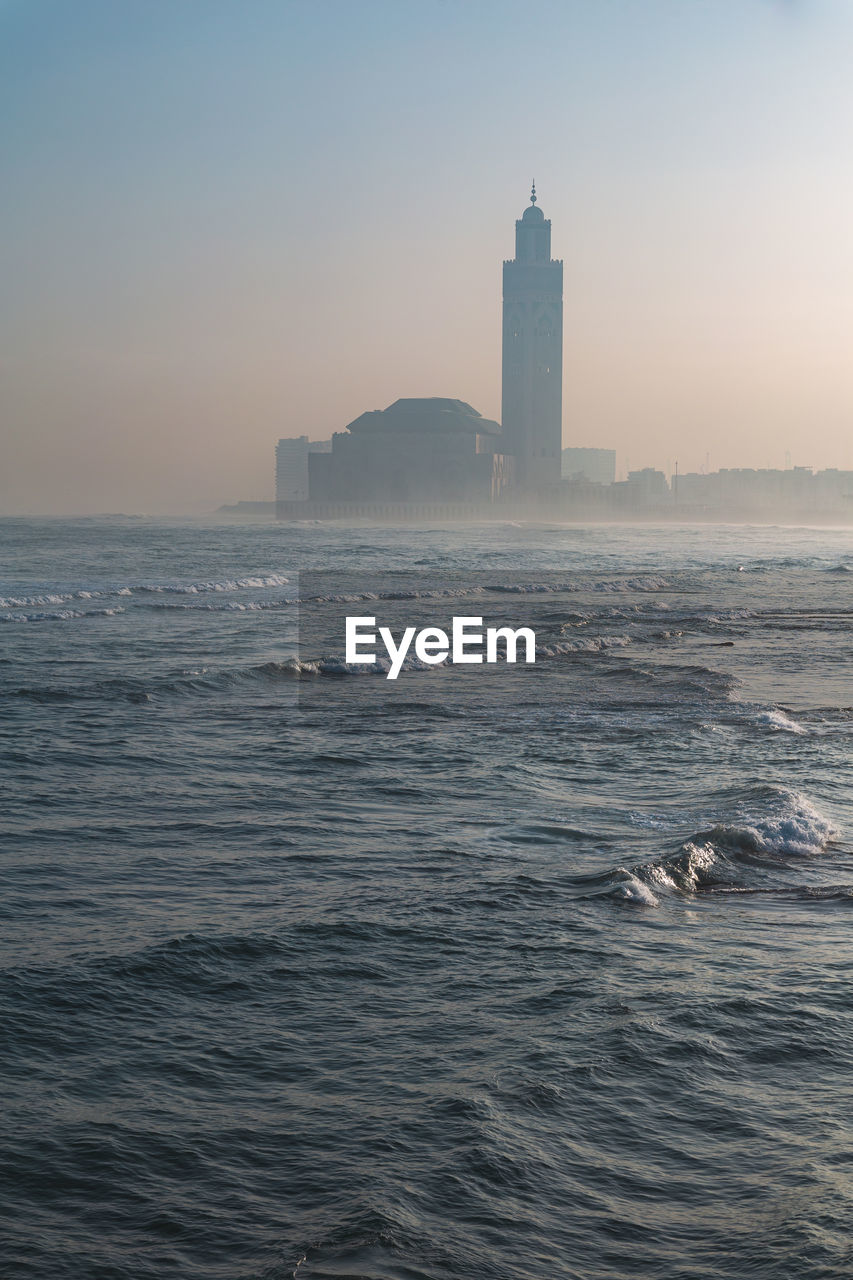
532 392
439 452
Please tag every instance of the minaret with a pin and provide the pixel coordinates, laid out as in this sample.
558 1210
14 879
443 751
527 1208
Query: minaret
532 401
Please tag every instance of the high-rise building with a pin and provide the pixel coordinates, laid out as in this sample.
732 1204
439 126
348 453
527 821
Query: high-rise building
291 467
598 465
532 400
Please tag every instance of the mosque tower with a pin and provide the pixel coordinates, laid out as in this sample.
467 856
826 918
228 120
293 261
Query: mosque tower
532 397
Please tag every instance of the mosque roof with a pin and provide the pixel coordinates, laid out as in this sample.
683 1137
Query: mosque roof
425 414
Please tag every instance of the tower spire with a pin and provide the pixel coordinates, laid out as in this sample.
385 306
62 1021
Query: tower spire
533 353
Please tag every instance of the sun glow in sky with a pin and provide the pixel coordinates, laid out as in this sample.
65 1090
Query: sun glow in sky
229 222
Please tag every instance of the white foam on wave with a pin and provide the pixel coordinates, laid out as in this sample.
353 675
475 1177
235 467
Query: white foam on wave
432 594
799 829
590 644
650 583
202 588
60 615
603 586
606 586
267 580
227 606
722 616
688 870
714 858
778 721
300 668
30 602
633 890
54 615
692 868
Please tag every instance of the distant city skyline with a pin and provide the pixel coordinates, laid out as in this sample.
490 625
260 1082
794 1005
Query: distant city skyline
229 224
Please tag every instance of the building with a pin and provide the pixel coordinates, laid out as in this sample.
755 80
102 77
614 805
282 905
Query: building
598 465
532 392
291 467
433 450
644 491
743 492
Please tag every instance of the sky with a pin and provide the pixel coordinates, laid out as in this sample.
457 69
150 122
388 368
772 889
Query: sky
228 222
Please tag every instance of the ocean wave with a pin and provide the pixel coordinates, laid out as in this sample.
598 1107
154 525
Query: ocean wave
60 615
209 680
227 606
722 616
723 855
104 691
265 581
59 596
17 605
200 681
801 832
682 681
200 588
432 593
651 583
631 889
193 955
31 602
379 1243
564 587
777 721
589 644
800 892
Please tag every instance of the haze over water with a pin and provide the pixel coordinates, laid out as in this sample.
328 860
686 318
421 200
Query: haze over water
529 972
227 223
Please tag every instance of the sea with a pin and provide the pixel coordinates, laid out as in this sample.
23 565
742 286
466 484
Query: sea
531 971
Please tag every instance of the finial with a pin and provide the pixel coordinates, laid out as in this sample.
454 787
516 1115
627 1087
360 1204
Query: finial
533 193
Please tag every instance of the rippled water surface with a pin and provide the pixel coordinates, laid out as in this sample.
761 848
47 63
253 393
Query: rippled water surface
508 972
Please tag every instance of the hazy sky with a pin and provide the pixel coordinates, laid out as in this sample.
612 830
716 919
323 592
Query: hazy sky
225 222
